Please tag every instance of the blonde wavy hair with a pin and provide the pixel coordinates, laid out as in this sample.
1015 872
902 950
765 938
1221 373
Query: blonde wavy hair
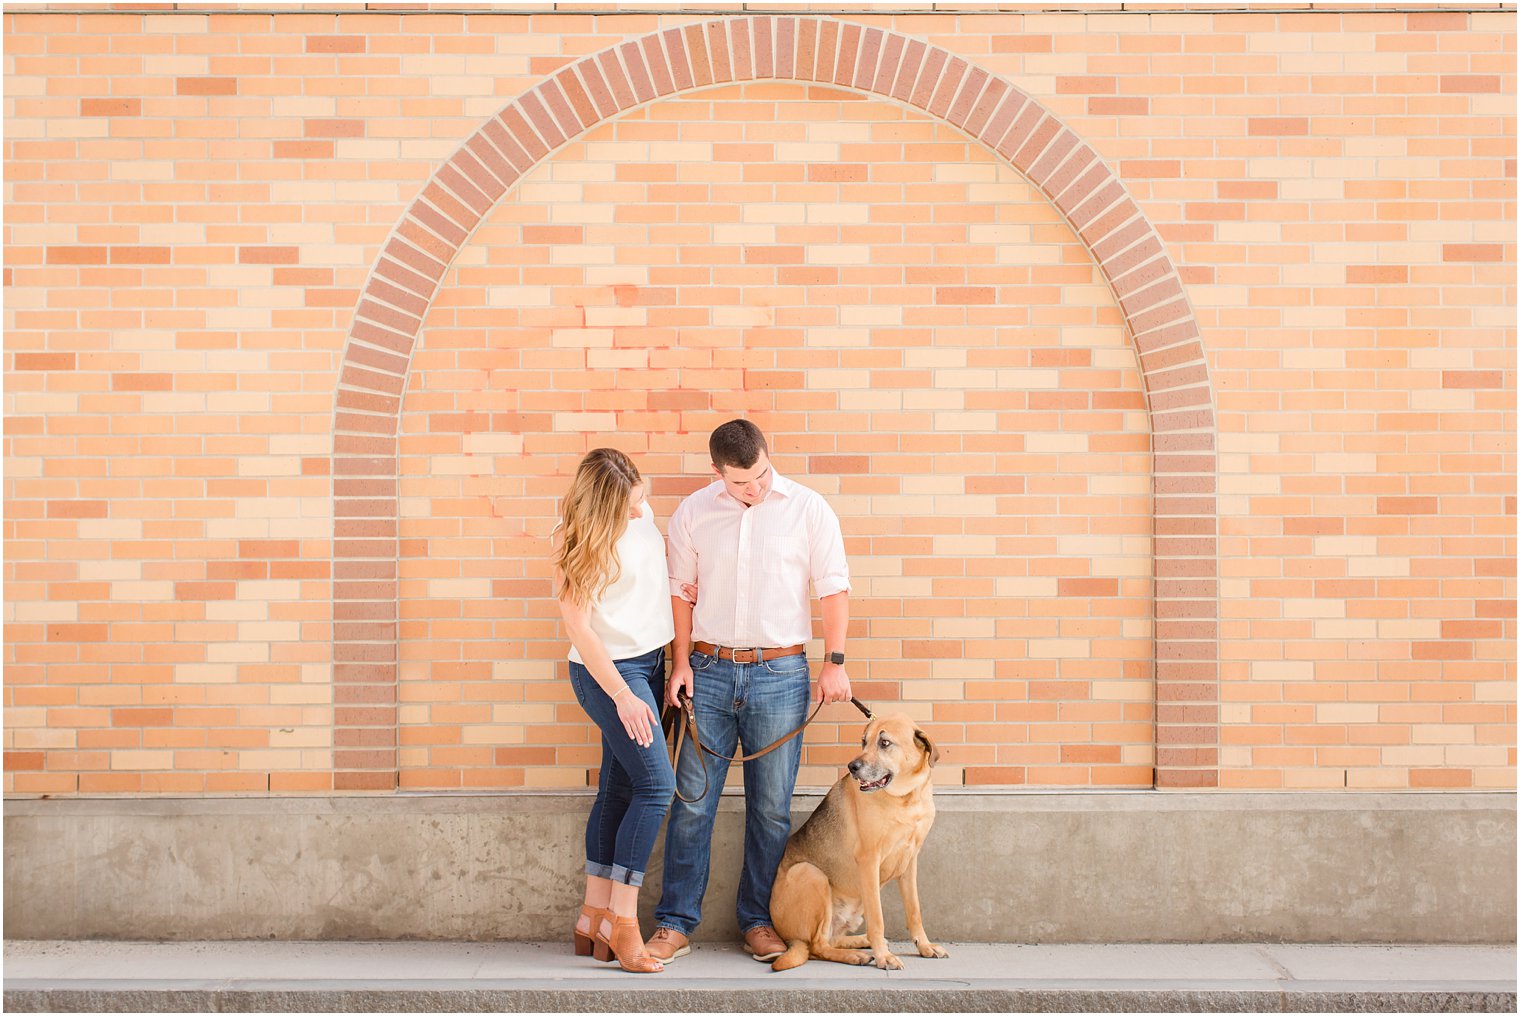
594 516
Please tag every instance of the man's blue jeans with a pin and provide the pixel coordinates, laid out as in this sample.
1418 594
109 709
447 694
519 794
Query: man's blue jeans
752 703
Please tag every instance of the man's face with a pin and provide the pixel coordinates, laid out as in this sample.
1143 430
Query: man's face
747 485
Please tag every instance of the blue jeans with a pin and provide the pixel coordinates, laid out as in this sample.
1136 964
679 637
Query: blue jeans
636 783
752 703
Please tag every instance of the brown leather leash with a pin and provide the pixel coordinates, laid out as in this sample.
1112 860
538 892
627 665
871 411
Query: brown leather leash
681 719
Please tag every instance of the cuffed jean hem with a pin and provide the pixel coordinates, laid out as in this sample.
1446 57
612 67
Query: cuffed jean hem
615 873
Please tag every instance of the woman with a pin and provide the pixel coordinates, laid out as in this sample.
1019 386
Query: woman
614 595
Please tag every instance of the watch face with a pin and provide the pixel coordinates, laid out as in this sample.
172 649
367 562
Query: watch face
836 657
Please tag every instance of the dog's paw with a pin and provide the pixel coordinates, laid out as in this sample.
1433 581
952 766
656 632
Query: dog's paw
887 961
930 951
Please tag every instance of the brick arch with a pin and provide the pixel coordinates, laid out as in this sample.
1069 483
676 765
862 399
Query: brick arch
407 273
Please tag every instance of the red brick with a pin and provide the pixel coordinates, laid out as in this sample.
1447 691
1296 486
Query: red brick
142 717
1278 126
44 361
1112 105
23 760
77 632
336 44
110 107
1187 778
363 780
1469 83
206 86
140 255
76 255
1359 275
994 775
1408 505
1472 252
1086 85
1440 778
965 295
1472 379
77 510
835 464
1437 21
142 382
319 128
1150 169
1441 650
205 590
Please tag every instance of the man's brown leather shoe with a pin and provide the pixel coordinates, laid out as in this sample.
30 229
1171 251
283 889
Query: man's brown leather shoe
763 943
666 944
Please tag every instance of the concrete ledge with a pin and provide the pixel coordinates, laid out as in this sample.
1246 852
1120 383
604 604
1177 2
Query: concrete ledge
999 867
505 977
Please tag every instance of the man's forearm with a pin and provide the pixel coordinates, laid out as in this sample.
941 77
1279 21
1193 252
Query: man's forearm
836 622
833 681
680 647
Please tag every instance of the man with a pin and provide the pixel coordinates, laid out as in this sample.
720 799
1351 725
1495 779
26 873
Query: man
751 542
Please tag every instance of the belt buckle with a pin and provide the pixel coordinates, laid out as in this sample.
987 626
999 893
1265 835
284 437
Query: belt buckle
735 655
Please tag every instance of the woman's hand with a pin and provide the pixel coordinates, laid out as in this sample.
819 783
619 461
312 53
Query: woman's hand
689 592
638 719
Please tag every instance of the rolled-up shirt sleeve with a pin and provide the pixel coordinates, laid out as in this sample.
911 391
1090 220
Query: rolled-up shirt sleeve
830 571
680 555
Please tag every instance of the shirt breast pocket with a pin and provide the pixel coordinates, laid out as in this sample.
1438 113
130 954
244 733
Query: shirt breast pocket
786 555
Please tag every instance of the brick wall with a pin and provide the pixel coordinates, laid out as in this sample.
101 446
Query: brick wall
256 541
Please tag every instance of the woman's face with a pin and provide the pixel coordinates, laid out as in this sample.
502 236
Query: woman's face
636 501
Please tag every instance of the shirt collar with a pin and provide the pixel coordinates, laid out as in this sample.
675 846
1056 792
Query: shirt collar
780 486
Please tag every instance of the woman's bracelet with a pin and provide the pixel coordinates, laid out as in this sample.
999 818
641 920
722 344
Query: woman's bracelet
620 691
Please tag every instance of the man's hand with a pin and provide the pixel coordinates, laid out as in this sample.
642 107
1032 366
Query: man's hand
680 677
833 684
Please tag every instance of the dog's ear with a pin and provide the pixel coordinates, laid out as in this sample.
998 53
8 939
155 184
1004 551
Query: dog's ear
927 745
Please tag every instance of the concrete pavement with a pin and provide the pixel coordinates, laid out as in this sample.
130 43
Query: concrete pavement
43 976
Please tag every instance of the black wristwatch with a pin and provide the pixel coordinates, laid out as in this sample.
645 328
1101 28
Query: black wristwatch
835 658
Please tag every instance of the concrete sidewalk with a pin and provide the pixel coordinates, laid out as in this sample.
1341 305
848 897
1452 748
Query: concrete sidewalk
506 977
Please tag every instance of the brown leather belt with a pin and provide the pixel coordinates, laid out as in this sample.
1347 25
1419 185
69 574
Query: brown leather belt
747 655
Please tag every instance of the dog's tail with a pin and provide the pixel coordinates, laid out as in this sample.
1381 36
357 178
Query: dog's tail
795 956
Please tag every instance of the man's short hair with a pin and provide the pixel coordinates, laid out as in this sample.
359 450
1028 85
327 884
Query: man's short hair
738 443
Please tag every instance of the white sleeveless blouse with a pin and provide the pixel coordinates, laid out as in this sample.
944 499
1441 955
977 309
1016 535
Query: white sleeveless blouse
632 617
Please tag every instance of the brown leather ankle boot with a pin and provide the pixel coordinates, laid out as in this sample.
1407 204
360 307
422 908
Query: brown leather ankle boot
626 943
585 941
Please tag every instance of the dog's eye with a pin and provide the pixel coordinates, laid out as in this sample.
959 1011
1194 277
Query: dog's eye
885 743
862 742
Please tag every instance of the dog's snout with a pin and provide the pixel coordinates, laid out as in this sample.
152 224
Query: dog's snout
855 765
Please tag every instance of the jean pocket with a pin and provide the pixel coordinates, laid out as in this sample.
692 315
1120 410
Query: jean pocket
784 665
701 661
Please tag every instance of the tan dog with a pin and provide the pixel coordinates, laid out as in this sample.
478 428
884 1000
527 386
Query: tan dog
867 831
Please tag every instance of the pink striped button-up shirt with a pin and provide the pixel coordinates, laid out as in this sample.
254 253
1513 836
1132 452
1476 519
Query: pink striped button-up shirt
752 566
